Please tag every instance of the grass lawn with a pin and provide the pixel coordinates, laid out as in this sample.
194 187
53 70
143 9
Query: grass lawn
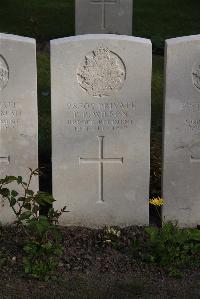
162 19
48 19
42 19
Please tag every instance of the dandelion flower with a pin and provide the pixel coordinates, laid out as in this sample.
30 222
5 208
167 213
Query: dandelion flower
156 201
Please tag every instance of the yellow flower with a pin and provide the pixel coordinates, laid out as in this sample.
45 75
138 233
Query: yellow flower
156 201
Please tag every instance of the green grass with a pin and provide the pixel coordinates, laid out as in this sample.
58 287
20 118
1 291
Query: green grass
162 19
44 104
41 19
157 94
48 19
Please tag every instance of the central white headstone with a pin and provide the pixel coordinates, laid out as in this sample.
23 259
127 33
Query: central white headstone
18 112
101 128
104 16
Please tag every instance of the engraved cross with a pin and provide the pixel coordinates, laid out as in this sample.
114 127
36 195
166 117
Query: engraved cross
5 159
101 160
103 4
194 159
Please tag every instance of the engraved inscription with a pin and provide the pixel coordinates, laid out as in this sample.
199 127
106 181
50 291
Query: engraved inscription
4 73
100 160
100 117
194 160
101 73
196 76
103 4
191 106
10 115
191 111
192 124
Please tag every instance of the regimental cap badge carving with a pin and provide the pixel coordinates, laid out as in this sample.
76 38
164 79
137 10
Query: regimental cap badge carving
4 73
196 76
101 73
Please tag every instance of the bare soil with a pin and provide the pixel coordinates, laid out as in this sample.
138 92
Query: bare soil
91 269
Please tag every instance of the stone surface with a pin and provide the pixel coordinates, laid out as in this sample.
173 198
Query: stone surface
18 111
104 16
101 129
181 177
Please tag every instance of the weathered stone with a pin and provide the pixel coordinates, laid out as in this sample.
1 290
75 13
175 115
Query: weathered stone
181 186
104 16
101 129
18 111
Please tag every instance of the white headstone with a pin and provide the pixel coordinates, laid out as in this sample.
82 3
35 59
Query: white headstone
104 16
101 128
18 111
181 177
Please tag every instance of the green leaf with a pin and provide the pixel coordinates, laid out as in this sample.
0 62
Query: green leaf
5 192
10 179
22 199
44 198
25 215
19 180
27 206
194 235
29 192
12 201
136 244
153 233
14 193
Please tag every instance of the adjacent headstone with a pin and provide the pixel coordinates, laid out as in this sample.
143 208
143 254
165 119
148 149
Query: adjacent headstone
18 112
104 16
181 177
101 129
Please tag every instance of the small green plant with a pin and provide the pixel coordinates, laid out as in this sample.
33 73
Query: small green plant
43 249
172 247
169 246
42 246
